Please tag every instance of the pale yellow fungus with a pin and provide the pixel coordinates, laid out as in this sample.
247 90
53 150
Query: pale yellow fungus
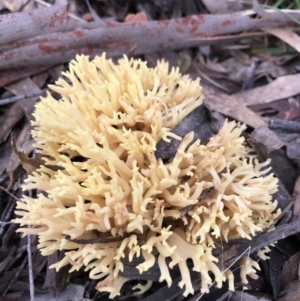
101 178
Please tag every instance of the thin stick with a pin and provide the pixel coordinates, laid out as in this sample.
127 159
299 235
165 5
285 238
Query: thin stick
8 100
5 223
285 125
10 194
30 272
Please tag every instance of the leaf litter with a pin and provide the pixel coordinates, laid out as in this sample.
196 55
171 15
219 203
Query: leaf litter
249 72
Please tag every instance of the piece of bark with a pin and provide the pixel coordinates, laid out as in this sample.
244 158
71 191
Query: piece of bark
198 121
268 138
170 293
267 146
153 274
275 266
265 239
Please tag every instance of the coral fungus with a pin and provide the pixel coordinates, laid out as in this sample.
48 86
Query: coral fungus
101 179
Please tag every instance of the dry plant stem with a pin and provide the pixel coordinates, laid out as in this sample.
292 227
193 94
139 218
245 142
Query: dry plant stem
58 41
285 125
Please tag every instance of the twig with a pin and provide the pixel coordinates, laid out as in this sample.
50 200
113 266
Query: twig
8 100
285 125
61 41
30 269
10 194
5 223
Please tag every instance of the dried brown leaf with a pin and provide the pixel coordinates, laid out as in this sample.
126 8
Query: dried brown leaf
8 120
23 145
231 106
287 35
15 113
282 87
29 164
9 76
270 69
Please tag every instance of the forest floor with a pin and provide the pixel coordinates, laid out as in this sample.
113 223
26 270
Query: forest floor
247 56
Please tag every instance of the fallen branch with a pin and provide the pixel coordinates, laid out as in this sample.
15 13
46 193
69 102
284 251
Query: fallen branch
62 41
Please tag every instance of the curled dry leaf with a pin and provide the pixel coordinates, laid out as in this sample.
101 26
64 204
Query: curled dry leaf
29 164
287 35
